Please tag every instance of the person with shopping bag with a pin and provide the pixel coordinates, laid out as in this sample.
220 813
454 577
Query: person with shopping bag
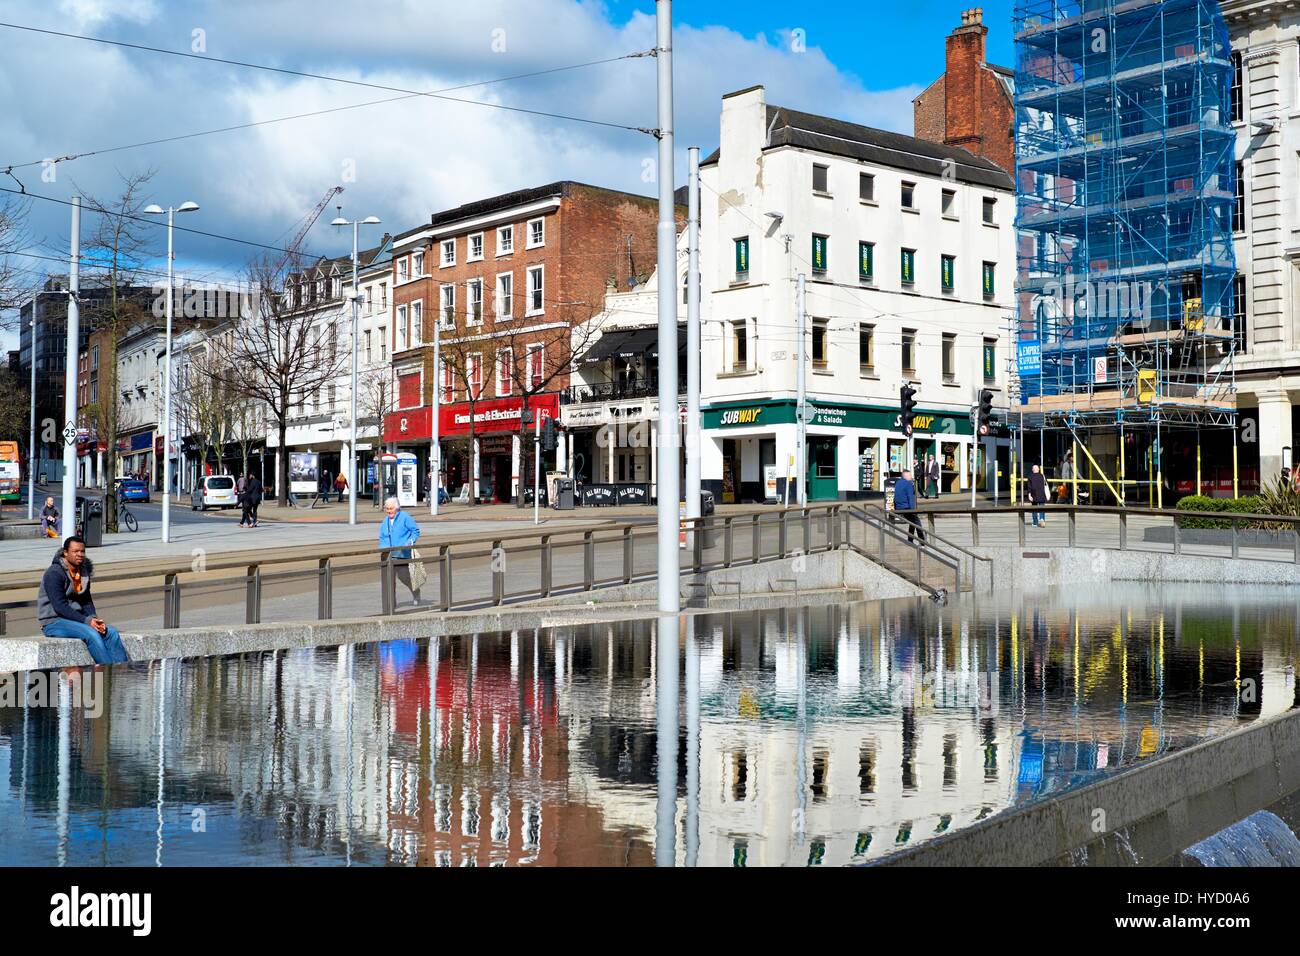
398 530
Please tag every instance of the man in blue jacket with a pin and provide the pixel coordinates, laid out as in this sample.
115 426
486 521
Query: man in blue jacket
905 501
64 607
397 529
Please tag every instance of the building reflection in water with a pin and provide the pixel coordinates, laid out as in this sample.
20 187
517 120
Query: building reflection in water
819 736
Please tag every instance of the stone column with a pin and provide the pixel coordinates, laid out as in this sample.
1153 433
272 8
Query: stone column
1274 433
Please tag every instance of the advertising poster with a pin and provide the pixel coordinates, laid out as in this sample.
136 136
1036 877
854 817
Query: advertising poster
304 472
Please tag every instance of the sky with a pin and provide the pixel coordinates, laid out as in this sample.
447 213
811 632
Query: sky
402 160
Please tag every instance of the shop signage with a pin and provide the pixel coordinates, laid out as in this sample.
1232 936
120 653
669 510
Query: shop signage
633 494
740 416
499 415
838 416
1029 357
584 416
867 472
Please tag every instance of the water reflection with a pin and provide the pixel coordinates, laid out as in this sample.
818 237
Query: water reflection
815 737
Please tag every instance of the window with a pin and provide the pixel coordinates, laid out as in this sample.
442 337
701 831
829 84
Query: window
417 264
990 360
505 240
989 285
866 261
447 377
820 175
475 248
367 340
383 295
949 357
333 396
474 305
401 328
475 369
536 233
1239 208
448 307
909 266
320 289
382 333
506 295
739 345
909 351
948 272
820 251
408 390
402 269
990 210
1239 311
336 287
505 372
417 322
950 203
536 290
1237 87
94 357
820 346
742 259
449 252
909 195
867 349
866 187
536 366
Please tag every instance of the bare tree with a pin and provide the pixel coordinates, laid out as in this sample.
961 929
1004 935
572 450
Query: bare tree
120 246
466 360
210 399
282 350
14 280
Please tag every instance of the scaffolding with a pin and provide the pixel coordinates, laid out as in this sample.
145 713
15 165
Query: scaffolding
1125 204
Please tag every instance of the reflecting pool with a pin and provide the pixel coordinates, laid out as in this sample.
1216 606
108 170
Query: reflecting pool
818 736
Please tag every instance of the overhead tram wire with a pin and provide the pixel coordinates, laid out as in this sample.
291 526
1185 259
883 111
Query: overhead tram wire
363 83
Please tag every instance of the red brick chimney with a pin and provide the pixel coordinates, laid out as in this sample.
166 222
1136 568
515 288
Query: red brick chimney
963 99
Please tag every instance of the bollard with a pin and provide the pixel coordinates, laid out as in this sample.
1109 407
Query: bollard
387 584
780 535
444 576
1021 516
171 601
546 566
253 595
758 541
1071 524
627 555
727 544
325 591
1123 531
588 561
498 576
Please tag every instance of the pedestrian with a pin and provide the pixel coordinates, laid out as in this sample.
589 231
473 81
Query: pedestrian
340 486
325 486
396 530
50 521
1037 488
933 476
1067 473
905 501
239 486
249 499
64 607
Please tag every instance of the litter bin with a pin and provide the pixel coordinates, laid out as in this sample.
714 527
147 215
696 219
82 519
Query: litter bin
709 533
564 494
90 518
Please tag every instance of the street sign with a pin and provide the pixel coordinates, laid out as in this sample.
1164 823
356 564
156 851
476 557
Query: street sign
1029 357
70 434
1099 370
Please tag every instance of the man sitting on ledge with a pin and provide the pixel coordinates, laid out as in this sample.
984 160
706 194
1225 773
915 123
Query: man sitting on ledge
64 607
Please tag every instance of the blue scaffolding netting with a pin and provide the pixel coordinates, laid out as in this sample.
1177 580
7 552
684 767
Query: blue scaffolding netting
1126 196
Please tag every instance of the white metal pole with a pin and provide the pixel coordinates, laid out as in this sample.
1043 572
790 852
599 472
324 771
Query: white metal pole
537 468
801 396
435 455
669 567
69 509
693 505
352 404
974 442
31 442
167 392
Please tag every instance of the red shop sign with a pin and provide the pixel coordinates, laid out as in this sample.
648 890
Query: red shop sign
493 415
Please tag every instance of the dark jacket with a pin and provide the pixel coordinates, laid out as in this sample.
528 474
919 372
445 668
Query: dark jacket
904 495
934 470
56 599
252 492
1038 488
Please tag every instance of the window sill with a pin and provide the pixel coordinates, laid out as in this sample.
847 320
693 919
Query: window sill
868 202
990 225
870 374
951 293
530 314
446 265
738 283
866 282
478 259
822 194
951 384
823 371
538 245
507 252
744 374
911 209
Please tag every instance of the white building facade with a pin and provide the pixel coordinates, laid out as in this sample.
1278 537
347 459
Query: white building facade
908 252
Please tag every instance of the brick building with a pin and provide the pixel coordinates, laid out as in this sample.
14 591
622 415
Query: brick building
507 279
970 105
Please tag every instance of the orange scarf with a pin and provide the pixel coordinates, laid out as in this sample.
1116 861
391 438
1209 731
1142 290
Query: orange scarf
76 579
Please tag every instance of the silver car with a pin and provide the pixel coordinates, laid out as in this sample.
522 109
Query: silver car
214 491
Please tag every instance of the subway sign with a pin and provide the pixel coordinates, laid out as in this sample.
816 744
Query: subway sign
740 416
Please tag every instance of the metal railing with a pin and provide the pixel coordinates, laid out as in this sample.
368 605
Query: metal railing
879 531
502 569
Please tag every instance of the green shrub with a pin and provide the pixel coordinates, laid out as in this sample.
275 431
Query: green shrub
1250 504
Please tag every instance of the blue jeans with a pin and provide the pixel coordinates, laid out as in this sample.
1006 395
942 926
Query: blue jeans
1039 516
104 648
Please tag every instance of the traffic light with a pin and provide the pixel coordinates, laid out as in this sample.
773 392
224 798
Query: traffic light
907 401
985 411
549 434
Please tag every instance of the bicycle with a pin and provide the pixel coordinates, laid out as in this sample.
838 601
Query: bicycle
125 517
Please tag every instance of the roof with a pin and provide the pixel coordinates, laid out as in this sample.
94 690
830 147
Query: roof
787 127
520 197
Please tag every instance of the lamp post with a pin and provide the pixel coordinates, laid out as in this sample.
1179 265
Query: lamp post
352 400
155 210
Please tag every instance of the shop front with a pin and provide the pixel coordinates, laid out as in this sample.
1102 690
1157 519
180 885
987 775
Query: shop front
498 458
750 454
136 456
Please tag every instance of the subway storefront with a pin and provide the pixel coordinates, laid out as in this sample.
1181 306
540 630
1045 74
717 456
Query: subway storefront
749 450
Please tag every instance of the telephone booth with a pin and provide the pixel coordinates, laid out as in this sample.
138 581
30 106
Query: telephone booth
407 479
386 485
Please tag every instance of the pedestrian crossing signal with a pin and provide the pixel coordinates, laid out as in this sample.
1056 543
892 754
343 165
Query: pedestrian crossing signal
985 411
907 402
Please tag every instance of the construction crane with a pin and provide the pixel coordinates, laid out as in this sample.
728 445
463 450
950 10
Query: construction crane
292 248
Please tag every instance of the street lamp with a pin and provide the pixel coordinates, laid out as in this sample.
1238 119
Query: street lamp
156 210
352 401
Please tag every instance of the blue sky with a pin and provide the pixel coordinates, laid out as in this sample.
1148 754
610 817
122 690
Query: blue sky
863 62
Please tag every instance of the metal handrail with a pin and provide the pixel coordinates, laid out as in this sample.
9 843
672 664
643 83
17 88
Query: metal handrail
886 529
